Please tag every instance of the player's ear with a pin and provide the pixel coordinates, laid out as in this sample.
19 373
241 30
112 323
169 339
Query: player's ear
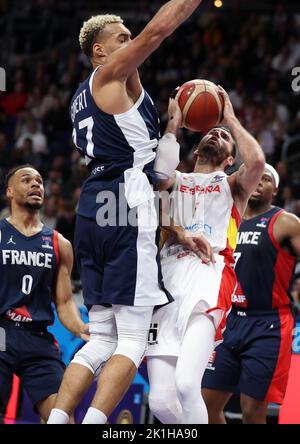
9 192
98 50
230 161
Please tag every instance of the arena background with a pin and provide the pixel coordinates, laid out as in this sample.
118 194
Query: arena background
251 48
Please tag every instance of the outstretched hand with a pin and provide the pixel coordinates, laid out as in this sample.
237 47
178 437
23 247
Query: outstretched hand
174 114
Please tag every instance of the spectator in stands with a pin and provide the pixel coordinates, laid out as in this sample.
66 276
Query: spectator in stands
39 141
13 102
288 198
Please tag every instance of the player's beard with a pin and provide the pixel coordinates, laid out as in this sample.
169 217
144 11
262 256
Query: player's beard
254 203
33 206
212 154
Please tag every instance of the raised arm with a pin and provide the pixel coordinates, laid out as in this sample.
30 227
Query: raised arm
167 155
122 63
67 311
246 179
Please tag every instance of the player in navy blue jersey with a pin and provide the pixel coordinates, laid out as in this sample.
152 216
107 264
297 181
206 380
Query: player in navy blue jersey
116 130
254 358
35 267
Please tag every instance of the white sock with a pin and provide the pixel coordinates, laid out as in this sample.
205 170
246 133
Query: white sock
58 416
94 416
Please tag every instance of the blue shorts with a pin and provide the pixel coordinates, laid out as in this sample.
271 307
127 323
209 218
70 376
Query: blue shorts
34 357
119 264
254 358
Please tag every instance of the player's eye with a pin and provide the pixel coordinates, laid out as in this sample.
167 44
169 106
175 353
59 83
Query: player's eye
267 179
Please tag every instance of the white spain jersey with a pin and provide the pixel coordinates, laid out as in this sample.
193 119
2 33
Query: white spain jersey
202 203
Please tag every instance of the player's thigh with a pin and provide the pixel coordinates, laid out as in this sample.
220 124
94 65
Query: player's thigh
88 248
131 318
266 359
163 337
161 370
222 371
41 369
132 271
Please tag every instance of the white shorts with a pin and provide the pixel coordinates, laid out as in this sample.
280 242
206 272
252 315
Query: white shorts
196 287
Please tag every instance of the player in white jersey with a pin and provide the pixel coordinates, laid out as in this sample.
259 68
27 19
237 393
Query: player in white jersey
206 203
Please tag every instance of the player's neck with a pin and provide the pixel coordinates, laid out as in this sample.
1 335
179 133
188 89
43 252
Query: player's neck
96 64
206 168
26 221
253 211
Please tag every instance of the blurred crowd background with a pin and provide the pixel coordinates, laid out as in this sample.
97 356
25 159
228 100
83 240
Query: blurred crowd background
250 48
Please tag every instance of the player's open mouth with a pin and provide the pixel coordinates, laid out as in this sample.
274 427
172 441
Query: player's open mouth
256 194
35 194
213 140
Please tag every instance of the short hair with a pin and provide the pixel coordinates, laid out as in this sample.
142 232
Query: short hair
12 171
91 28
226 128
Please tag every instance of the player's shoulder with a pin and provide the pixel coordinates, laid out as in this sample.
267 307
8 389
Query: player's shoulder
3 224
288 218
62 241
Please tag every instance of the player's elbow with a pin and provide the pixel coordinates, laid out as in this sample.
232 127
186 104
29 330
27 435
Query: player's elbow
164 184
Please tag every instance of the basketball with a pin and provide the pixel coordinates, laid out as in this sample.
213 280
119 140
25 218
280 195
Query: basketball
201 105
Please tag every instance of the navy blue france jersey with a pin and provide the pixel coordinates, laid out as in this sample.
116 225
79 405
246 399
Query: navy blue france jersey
111 144
264 270
27 268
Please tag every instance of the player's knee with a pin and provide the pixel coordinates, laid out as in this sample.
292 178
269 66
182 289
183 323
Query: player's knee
132 344
95 353
133 350
252 416
186 389
161 402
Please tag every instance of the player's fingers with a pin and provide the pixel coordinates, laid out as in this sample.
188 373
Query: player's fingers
194 247
199 251
85 337
178 93
203 257
205 248
174 92
223 93
210 254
